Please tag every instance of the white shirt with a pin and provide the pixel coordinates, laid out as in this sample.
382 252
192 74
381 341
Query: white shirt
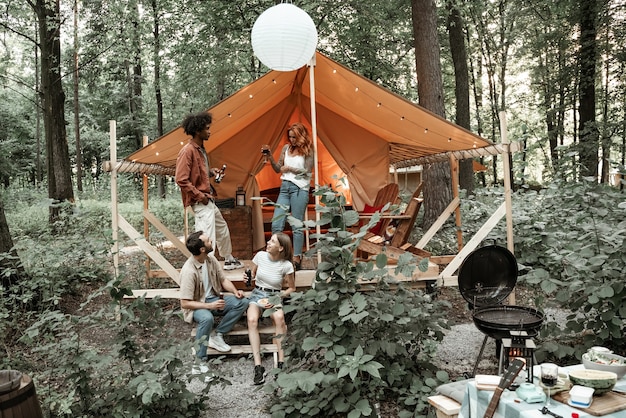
270 274
296 161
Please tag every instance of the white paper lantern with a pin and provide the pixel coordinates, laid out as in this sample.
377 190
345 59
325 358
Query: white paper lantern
284 37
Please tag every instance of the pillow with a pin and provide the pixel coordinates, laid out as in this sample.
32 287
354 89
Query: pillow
454 390
369 210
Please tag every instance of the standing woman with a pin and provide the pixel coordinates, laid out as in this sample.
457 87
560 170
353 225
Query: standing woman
295 165
273 270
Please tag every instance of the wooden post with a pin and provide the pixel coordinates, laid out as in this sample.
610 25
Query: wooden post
315 157
114 209
506 167
454 172
146 224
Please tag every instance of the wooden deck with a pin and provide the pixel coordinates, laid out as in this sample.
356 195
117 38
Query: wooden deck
304 280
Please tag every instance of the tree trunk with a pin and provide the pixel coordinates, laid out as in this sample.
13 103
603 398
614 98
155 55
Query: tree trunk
436 177
157 86
79 158
461 88
53 102
589 136
10 267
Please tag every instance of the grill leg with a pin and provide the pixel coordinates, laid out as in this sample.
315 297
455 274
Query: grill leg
480 355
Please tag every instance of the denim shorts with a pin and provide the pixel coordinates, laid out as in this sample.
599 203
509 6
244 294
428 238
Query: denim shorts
258 294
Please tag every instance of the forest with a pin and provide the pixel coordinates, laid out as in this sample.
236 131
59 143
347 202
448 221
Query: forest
67 68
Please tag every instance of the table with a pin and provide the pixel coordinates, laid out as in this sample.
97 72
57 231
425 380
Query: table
476 401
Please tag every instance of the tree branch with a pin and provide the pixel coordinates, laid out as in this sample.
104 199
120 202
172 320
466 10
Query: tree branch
10 29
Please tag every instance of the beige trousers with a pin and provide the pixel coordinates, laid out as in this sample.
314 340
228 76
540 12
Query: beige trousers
209 219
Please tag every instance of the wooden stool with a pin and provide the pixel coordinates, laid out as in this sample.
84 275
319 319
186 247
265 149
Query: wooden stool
445 407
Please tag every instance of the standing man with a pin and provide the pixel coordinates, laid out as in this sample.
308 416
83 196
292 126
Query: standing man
192 176
201 285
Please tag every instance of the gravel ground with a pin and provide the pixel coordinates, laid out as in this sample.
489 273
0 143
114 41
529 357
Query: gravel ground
242 399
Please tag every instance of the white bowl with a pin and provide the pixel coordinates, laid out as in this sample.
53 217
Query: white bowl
606 362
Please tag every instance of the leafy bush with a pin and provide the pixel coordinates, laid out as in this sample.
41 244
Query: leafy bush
348 351
573 235
131 369
119 361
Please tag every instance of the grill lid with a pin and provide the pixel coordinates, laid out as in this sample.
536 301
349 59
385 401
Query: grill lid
487 275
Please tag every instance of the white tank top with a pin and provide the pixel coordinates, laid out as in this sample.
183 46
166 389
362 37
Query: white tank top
296 161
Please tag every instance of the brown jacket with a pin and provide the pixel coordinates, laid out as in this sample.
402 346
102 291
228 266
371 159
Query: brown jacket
191 174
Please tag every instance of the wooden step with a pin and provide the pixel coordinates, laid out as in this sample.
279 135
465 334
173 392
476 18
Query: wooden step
243 349
242 329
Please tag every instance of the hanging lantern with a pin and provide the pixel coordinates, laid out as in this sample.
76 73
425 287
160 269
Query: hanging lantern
284 37
240 196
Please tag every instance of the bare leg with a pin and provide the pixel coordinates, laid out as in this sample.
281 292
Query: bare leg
281 329
253 332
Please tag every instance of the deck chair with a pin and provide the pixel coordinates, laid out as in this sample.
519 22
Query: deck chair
387 194
398 244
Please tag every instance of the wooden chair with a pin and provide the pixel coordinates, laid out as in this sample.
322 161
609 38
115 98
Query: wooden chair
398 244
388 194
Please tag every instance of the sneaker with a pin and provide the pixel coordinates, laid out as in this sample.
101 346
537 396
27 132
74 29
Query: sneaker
217 342
259 374
233 264
199 369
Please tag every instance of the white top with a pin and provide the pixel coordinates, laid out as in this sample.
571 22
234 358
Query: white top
270 274
296 161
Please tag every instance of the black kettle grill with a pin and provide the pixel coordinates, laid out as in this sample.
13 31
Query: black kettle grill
486 278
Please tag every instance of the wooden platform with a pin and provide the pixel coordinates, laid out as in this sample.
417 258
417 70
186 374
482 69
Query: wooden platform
304 280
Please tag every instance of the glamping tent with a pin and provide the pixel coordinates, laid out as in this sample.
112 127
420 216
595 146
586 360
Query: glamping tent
362 130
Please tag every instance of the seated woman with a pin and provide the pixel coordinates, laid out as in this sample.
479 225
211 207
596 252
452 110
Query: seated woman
272 269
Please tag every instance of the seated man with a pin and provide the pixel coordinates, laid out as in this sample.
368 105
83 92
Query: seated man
201 285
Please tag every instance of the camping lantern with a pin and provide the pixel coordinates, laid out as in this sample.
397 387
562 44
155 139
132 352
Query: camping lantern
521 346
284 37
240 196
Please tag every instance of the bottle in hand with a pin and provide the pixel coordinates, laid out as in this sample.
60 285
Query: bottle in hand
220 175
248 278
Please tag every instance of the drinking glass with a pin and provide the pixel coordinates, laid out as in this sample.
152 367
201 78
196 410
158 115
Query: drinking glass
549 377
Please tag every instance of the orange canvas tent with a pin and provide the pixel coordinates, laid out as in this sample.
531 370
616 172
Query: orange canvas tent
362 130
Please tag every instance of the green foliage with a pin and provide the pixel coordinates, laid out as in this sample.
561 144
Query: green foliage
132 369
118 361
348 349
573 235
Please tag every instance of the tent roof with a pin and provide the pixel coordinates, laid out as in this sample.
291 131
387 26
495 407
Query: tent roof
349 108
